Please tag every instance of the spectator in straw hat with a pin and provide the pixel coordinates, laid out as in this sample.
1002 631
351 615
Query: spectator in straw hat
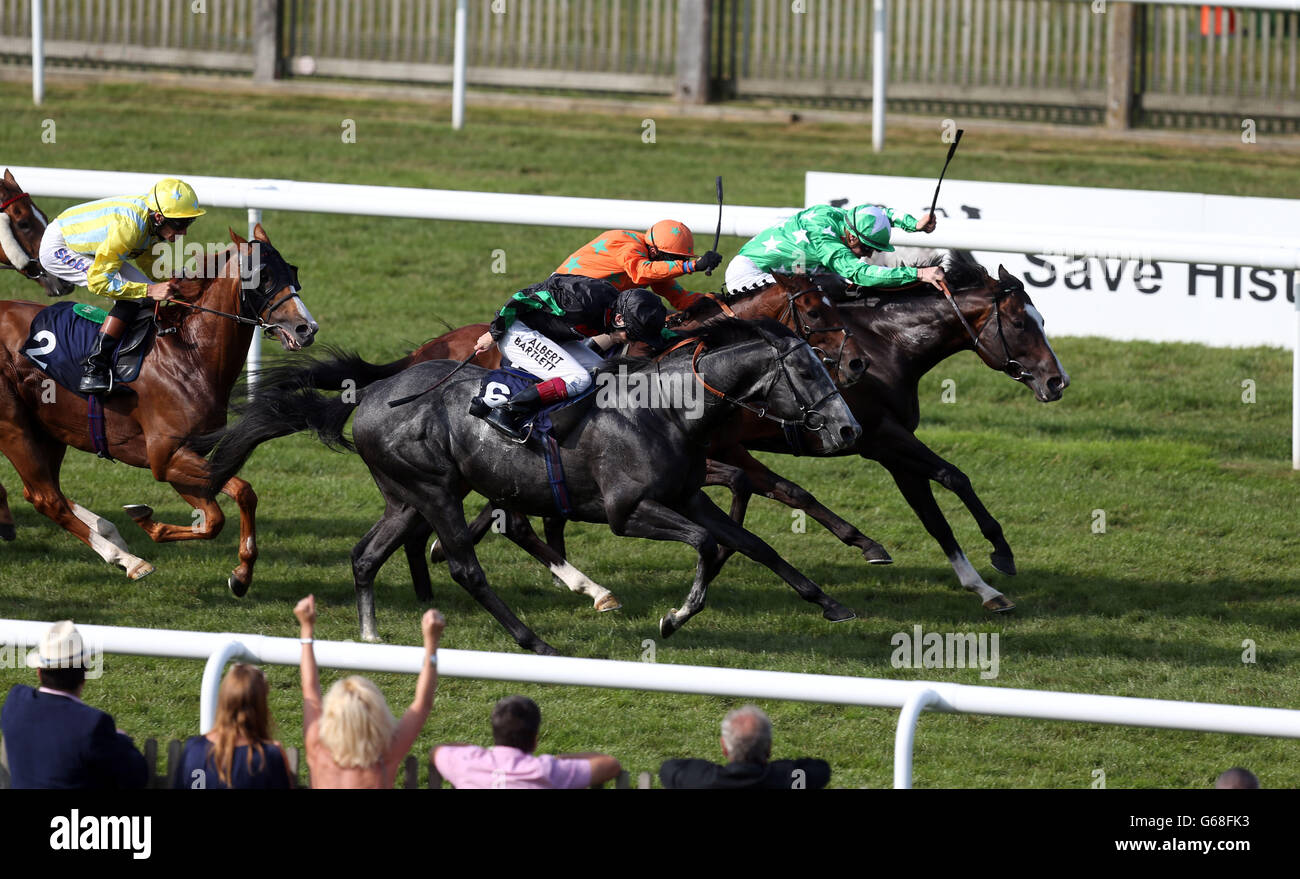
53 739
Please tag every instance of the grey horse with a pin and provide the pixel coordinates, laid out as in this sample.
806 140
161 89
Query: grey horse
635 463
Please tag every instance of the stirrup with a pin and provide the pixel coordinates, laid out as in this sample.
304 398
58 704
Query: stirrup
96 383
508 426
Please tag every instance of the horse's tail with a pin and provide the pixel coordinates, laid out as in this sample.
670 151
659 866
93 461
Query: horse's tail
334 369
286 401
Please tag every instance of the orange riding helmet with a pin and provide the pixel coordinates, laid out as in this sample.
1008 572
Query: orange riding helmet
672 238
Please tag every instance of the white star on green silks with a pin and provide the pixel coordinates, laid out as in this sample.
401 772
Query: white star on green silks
771 244
801 236
828 231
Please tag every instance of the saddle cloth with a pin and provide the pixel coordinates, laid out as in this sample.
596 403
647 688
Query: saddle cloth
62 334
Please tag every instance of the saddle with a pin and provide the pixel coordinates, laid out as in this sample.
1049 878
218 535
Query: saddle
554 421
61 335
547 428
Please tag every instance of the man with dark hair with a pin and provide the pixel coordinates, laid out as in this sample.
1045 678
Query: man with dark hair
747 745
511 763
52 738
1236 778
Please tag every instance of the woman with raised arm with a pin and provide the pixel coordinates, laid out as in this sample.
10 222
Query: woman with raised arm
351 738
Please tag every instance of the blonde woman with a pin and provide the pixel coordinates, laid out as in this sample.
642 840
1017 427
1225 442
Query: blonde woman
238 752
352 739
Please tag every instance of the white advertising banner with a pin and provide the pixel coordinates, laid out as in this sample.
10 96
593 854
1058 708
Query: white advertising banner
1120 295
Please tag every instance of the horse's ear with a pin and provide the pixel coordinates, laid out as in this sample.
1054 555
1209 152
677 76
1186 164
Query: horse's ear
9 178
1003 275
260 234
236 237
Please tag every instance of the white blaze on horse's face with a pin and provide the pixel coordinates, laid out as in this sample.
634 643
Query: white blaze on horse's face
1038 319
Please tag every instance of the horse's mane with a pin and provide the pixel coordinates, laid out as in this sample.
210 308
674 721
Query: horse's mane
715 332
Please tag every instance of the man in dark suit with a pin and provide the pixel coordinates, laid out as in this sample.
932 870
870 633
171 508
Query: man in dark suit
52 738
747 745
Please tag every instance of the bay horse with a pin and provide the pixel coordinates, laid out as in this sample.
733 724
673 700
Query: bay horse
22 225
907 333
183 388
637 468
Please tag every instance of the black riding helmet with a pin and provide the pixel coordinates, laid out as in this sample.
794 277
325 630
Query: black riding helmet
643 315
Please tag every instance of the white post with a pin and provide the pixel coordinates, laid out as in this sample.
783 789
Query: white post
211 686
879 58
254 361
458 67
38 52
906 733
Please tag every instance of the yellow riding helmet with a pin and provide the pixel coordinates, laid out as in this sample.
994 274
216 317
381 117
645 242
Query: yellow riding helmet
174 199
672 238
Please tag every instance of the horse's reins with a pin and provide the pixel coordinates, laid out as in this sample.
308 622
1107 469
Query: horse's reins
811 419
808 332
1011 367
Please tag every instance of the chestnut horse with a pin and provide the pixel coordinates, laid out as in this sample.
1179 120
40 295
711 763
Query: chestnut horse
183 388
22 225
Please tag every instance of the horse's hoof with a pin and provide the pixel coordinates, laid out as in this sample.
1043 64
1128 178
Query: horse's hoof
140 571
667 625
876 555
436 556
541 648
138 512
7 531
838 614
609 602
1000 604
1003 562
371 638
238 586
423 594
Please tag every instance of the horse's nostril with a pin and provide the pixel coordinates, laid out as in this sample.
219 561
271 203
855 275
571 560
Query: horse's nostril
847 434
1054 383
302 329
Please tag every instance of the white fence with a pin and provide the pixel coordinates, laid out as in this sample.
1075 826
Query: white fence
912 697
606 213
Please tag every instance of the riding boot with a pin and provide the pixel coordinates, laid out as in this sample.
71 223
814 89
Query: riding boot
96 374
510 416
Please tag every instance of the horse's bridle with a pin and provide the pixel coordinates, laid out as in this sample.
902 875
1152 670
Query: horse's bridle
259 313
807 332
31 260
1010 366
810 418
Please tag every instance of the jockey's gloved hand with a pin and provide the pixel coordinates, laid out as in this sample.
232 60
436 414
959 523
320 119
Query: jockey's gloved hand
709 261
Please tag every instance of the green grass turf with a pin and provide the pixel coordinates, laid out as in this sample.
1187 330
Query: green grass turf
1199 551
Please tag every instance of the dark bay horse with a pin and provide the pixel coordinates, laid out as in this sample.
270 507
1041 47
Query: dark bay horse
907 332
22 225
183 388
637 468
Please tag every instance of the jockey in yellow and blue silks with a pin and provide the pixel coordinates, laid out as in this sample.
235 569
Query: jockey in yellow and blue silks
93 245
824 238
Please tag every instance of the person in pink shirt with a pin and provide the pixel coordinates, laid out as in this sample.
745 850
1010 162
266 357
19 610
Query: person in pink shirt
511 763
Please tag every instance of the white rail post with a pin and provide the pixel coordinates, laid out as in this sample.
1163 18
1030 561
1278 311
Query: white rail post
906 733
38 52
211 686
458 66
254 361
879 59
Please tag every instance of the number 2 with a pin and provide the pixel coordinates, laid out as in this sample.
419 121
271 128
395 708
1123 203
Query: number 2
50 342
